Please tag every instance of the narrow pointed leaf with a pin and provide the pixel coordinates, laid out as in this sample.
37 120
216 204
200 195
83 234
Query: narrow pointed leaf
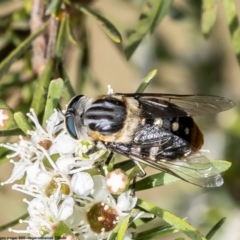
155 232
68 91
9 7
69 31
139 222
107 26
40 94
61 38
163 9
171 219
162 178
236 43
209 13
13 223
233 25
146 22
54 7
230 13
7 121
215 228
17 52
22 122
155 180
123 228
146 81
54 94
3 158
119 231
61 229
125 165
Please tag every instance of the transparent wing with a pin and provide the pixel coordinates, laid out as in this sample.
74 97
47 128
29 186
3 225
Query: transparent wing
195 169
181 105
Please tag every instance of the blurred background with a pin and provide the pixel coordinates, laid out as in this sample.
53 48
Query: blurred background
187 63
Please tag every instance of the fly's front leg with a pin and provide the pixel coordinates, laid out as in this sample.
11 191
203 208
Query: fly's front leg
92 150
98 146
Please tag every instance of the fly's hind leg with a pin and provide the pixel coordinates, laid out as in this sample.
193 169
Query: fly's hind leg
140 174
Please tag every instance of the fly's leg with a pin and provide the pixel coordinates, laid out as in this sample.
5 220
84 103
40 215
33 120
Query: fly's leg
140 174
94 149
109 158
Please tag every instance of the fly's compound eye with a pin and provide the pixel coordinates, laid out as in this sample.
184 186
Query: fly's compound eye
70 125
70 116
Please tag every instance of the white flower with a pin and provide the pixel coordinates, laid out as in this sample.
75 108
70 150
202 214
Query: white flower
117 181
45 214
126 202
100 214
82 183
53 165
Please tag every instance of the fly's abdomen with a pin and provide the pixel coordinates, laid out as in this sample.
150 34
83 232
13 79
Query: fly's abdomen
106 116
187 129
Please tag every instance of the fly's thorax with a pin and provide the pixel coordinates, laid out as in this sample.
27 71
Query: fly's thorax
112 119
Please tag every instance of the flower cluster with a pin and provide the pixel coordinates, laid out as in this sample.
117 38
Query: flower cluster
68 192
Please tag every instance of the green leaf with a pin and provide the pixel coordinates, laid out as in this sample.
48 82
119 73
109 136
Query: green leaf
233 25
125 165
152 12
171 219
69 30
3 155
61 38
119 231
7 121
10 133
123 228
54 94
155 232
146 81
137 223
68 91
155 180
107 26
163 9
40 94
17 52
230 12
209 13
54 7
160 179
13 223
61 229
215 228
236 42
10 7
22 122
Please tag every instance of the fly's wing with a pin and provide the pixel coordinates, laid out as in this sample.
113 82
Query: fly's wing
165 151
169 105
195 168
